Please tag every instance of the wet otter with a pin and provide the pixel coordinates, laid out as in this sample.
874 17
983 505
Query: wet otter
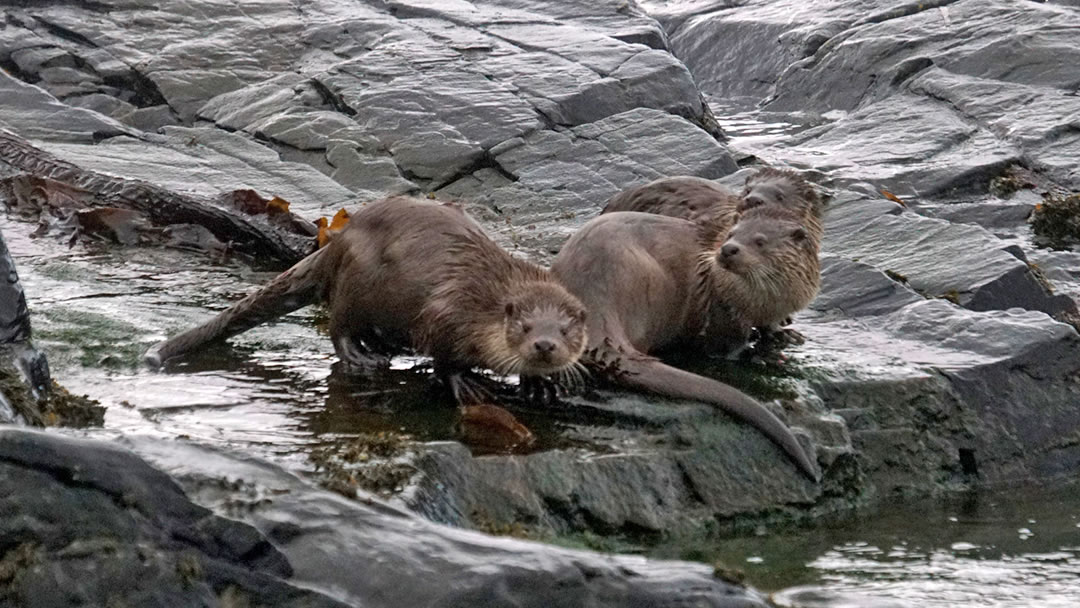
701 200
767 297
413 273
765 269
650 282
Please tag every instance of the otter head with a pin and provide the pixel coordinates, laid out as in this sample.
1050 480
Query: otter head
544 330
756 244
777 187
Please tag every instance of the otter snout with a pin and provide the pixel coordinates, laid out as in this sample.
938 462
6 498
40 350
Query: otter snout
729 250
752 200
545 346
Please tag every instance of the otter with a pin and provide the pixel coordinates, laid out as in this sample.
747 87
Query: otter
775 294
408 273
765 269
701 200
649 282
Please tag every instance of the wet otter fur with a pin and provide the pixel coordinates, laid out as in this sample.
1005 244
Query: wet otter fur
765 269
767 297
704 201
409 273
647 282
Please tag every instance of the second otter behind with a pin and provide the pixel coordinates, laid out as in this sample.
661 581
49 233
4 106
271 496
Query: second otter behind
648 283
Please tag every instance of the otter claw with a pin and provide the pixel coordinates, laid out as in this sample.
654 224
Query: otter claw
541 389
357 359
783 336
469 389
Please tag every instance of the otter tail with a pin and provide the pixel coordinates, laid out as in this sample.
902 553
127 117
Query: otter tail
646 373
295 288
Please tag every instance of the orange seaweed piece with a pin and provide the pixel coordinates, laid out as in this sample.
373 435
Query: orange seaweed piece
892 197
492 427
277 206
340 219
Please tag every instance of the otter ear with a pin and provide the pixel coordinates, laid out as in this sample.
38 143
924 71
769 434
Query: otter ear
799 234
510 308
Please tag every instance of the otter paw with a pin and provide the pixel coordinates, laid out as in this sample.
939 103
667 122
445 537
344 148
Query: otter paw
471 388
540 389
785 336
358 360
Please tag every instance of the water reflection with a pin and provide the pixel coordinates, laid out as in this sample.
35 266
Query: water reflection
1006 549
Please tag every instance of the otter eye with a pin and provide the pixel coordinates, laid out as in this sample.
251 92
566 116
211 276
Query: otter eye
565 330
760 241
526 328
798 234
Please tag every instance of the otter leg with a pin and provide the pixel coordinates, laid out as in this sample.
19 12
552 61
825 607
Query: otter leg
357 358
468 387
776 337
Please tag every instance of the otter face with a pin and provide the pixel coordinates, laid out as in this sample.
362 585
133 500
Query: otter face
768 192
754 243
779 187
545 332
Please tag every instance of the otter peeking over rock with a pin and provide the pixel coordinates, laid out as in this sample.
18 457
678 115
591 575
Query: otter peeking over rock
701 200
650 282
408 273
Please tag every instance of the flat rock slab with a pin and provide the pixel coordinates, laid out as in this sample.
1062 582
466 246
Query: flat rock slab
937 258
551 182
209 162
928 98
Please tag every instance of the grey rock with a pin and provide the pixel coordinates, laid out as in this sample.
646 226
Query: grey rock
31 60
34 113
858 289
108 105
364 173
1007 216
938 258
371 554
152 118
907 144
66 75
553 181
84 516
208 162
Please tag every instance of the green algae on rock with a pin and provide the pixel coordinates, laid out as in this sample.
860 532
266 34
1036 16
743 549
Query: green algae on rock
1056 220
53 407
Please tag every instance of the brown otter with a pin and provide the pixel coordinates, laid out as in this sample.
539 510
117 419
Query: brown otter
765 270
405 273
648 283
701 200
774 291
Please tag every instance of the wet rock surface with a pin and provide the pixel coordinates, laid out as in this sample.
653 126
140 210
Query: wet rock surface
83 517
936 353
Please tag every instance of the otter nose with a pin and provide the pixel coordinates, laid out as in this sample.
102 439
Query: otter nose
729 249
752 200
544 346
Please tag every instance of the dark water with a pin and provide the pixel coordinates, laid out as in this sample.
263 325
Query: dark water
273 393
1015 548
